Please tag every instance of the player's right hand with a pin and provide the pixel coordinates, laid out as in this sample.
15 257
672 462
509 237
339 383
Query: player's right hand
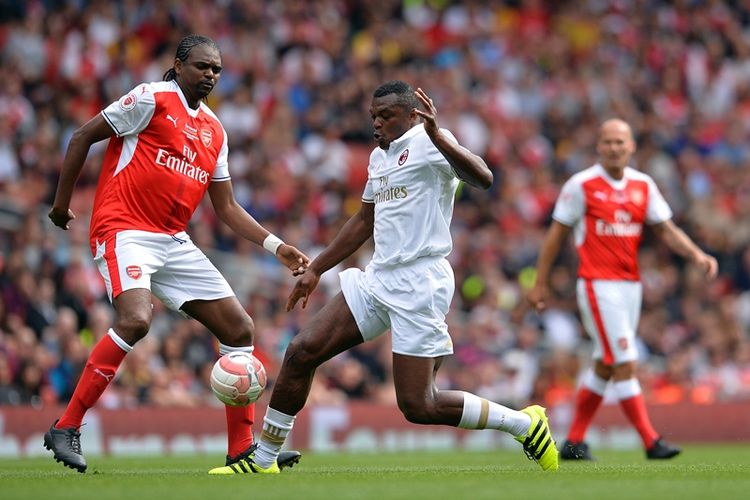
302 289
537 297
61 217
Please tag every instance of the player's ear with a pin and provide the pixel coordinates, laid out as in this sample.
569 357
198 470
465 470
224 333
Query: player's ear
177 66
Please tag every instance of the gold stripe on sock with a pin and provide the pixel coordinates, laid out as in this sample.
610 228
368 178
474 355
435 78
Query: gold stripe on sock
266 436
484 414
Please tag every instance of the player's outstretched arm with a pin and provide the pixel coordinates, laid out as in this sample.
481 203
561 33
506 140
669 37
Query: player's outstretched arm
95 130
350 237
469 167
233 215
539 294
680 243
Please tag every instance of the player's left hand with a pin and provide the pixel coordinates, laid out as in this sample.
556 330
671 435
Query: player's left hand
293 259
302 289
429 114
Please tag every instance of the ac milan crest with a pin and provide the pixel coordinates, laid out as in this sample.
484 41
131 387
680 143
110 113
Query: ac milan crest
403 157
134 272
206 137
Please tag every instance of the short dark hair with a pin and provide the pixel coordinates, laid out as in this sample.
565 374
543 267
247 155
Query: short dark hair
403 91
184 48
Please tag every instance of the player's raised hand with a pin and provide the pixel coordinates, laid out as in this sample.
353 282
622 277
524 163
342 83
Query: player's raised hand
61 217
293 259
429 114
302 289
537 296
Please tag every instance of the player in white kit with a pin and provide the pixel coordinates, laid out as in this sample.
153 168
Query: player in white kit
407 287
166 150
606 207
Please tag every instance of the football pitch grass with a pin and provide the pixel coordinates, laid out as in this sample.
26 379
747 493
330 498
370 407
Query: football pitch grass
721 472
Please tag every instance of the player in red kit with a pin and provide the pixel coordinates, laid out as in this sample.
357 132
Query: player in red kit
166 150
606 207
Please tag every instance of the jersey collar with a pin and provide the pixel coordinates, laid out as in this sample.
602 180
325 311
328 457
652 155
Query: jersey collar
397 143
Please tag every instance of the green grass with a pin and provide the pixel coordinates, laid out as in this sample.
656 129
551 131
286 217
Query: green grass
721 472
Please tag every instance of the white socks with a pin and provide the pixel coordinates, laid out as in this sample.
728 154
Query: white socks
480 413
276 427
626 389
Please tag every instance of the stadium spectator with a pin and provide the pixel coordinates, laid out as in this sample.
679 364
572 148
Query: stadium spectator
168 150
407 287
606 207
533 57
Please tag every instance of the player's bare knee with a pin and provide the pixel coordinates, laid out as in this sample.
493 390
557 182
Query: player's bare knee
301 354
132 327
244 333
416 411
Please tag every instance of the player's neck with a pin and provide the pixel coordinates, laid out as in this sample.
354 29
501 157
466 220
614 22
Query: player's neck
191 101
617 173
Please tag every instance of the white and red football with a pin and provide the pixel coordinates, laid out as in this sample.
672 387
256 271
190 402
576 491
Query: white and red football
238 379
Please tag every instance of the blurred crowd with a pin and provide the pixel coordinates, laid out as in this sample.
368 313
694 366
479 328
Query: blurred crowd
523 83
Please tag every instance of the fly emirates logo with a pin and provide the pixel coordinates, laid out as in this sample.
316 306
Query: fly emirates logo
622 226
183 165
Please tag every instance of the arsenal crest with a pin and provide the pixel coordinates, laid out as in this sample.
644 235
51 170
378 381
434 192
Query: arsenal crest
128 102
206 137
403 157
134 272
637 197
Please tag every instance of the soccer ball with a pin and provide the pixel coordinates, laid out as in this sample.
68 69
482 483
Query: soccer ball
238 379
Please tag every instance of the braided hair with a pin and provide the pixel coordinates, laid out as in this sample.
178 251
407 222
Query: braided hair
183 51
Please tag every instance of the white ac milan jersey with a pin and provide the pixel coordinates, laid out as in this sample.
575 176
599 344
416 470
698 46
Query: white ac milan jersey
607 216
413 187
158 167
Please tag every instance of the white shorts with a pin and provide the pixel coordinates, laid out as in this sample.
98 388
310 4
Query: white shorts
610 311
412 301
172 267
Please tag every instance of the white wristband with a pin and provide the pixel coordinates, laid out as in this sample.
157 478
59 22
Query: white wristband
272 243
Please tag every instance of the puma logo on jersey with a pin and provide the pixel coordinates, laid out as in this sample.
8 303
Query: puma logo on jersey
600 195
107 377
173 120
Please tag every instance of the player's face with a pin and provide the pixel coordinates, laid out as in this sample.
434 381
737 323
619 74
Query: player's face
615 146
200 72
390 119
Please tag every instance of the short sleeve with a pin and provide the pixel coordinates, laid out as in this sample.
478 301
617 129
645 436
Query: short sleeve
368 195
131 113
658 209
221 172
436 159
570 204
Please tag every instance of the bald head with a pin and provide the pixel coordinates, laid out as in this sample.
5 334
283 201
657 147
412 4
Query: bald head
615 146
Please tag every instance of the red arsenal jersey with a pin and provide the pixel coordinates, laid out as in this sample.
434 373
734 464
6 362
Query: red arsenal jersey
608 216
158 167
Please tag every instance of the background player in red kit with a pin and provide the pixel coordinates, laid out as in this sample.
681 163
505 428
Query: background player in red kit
168 149
607 206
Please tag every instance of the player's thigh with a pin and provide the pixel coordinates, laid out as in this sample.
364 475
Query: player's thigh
188 275
413 378
225 318
610 311
357 292
331 331
128 259
417 306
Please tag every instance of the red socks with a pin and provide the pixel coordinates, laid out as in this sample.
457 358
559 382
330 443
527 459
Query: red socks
635 409
99 371
587 402
239 428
